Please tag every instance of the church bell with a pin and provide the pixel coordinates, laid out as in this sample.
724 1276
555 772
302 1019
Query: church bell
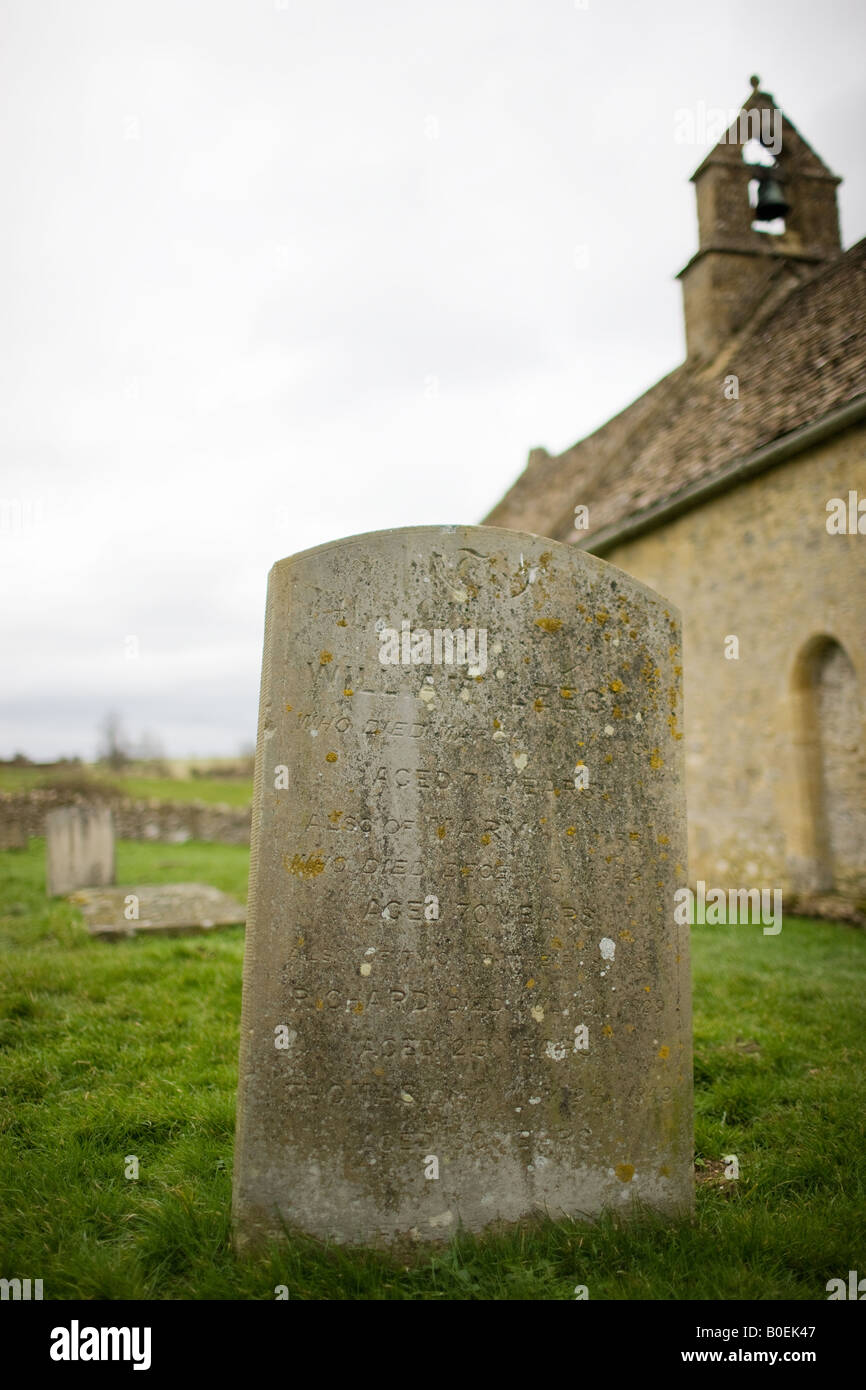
771 201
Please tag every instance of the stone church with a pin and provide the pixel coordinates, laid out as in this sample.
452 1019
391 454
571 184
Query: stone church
736 487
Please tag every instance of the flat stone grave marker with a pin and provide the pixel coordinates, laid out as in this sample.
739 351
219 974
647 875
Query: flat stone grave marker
465 994
79 848
170 909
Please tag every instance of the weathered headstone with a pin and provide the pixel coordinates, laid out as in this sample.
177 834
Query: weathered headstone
79 848
158 909
465 995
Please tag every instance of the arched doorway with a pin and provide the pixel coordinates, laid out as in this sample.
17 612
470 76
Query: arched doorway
828 839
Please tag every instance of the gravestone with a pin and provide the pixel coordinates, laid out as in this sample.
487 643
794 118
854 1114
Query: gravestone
79 848
465 994
158 909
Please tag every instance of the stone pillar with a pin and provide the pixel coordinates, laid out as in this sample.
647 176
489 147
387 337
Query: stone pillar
465 995
79 848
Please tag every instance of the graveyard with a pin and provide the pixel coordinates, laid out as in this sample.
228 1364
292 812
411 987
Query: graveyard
433 732
131 1048
488 1048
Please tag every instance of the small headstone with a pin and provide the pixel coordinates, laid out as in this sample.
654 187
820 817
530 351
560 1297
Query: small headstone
172 909
465 993
79 848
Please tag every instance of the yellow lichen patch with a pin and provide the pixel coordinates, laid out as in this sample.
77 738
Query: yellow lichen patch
634 834
608 757
496 724
617 712
348 692
299 941
441 832
334 816
542 820
602 616
624 1171
530 983
607 1031
325 657
538 704
304 868
341 622
359 1008
656 760
320 1003
557 791
378 1071
663 839
615 686
647 989
556 943
626 935
288 709
485 839
570 830
566 693
549 624
664 1053
330 757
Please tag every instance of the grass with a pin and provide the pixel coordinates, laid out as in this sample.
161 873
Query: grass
131 1048
233 791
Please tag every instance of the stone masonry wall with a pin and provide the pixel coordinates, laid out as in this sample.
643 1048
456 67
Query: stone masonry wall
23 814
758 563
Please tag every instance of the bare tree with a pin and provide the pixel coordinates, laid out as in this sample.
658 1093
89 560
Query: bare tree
113 744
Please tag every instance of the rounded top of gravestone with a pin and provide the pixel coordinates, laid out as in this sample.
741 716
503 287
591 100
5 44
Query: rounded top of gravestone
491 538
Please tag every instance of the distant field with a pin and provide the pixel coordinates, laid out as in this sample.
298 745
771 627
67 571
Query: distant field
234 791
108 1050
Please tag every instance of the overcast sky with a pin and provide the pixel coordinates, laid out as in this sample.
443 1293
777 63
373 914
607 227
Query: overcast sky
279 271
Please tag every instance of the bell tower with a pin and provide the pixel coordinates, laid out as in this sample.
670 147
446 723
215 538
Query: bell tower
767 216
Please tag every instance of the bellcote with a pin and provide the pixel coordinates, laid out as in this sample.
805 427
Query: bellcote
760 166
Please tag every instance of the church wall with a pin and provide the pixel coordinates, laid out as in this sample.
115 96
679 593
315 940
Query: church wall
757 563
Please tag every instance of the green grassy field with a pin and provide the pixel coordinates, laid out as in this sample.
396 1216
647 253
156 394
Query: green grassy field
109 1050
234 791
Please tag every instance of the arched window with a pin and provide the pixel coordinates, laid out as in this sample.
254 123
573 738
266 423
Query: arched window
829 839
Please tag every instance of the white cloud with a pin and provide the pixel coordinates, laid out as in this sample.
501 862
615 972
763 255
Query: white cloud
272 276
